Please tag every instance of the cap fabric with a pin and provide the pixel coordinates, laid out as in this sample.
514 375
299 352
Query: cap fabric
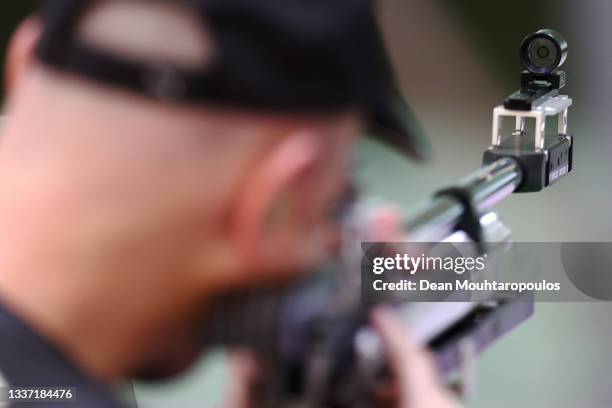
279 55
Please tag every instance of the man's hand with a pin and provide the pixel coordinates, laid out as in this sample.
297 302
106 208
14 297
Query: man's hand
416 382
244 373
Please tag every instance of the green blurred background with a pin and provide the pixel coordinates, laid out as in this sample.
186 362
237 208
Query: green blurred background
456 60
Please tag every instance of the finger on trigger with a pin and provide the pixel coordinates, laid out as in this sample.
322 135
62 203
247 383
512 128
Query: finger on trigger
404 355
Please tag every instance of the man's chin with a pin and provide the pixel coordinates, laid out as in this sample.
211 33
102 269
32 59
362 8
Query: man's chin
169 365
182 354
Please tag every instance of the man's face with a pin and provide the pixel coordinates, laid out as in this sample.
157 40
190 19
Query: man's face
218 202
284 222
229 197
278 219
180 203
177 203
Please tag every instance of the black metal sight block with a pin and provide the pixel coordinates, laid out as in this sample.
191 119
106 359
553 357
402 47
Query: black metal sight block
541 168
533 88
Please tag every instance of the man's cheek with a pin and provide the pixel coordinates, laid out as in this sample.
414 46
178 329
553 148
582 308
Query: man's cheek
316 203
333 239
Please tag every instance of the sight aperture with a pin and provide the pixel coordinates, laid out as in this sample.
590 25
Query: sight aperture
543 52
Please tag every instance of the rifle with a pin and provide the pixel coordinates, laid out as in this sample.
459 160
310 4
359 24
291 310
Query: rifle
314 335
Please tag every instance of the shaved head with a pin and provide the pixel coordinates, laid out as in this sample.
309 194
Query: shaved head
152 208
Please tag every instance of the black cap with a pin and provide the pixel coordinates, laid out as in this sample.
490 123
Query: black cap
284 55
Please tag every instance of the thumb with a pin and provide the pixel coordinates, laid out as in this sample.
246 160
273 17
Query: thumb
244 371
416 378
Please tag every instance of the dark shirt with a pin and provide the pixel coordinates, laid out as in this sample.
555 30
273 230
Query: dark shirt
29 360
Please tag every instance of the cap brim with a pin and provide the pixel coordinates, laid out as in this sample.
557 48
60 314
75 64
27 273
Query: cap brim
394 123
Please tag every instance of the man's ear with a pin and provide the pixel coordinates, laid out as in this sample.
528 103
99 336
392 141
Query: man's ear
268 222
21 51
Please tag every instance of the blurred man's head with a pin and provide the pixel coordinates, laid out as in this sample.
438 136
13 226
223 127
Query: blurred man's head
235 178
156 205
178 201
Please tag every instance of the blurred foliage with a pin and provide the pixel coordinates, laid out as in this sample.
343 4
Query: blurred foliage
497 27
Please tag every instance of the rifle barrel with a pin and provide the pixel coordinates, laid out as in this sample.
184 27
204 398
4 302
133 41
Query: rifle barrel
487 186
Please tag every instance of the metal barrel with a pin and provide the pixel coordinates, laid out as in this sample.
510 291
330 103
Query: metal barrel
438 218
